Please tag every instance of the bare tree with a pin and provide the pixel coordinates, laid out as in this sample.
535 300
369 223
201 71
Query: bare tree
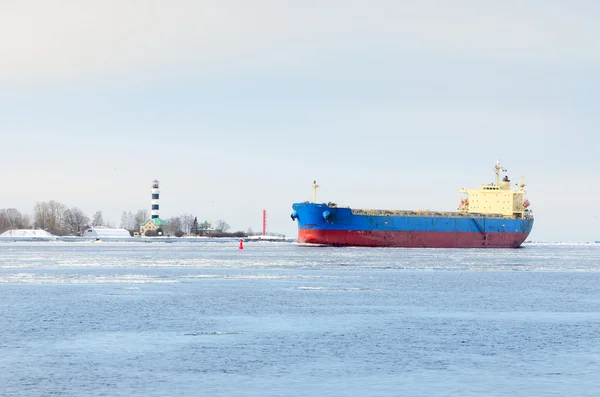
49 216
186 223
11 218
141 216
124 220
98 220
74 220
26 221
221 226
173 227
4 223
128 221
56 212
40 215
15 218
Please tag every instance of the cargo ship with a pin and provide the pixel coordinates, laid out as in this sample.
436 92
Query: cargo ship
496 215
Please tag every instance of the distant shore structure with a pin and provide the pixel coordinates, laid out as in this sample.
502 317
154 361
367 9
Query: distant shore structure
154 225
264 223
103 231
155 196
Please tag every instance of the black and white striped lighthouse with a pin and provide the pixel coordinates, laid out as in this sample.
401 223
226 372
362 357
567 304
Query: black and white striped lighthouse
155 193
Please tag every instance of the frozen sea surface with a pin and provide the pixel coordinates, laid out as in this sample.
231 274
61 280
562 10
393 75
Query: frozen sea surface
206 319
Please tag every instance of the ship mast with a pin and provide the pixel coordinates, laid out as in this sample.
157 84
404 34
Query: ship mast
315 186
498 168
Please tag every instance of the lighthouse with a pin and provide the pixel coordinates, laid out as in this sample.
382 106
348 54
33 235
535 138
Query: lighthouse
154 225
155 193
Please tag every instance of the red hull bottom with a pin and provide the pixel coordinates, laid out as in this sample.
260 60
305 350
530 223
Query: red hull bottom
410 239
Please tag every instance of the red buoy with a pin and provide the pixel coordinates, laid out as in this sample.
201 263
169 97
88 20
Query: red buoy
241 244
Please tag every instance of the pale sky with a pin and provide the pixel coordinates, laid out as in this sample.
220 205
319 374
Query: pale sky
236 106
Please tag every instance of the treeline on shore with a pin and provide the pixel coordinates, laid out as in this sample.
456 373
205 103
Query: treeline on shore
60 220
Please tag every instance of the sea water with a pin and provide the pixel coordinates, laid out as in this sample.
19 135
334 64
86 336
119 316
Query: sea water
278 319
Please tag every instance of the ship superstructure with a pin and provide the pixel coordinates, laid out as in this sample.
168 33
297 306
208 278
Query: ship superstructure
496 198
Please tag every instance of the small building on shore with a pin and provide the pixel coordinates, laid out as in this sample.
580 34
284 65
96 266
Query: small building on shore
103 231
154 226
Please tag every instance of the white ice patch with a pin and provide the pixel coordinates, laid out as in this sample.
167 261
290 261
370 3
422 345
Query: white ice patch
213 333
258 276
336 289
32 278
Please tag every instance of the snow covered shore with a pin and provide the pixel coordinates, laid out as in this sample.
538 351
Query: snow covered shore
27 235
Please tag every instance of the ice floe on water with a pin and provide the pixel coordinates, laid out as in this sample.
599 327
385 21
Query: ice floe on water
36 278
214 333
62 278
259 276
138 263
306 288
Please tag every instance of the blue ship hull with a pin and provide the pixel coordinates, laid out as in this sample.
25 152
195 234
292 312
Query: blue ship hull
337 226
